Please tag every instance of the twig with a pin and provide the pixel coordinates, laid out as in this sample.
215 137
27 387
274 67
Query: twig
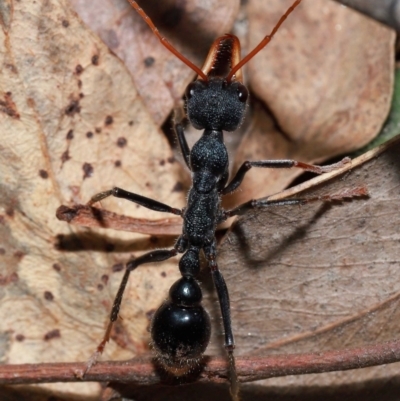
141 371
88 216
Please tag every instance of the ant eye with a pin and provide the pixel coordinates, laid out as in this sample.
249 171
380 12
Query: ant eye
190 90
243 93
194 87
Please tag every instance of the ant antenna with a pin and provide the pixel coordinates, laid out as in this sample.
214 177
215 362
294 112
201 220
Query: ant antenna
165 42
263 43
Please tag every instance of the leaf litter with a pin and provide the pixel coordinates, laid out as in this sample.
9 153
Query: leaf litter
73 125
159 76
79 128
320 277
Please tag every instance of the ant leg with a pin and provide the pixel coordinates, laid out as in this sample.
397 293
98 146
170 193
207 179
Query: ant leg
247 165
154 256
139 199
180 134
223 297
261 203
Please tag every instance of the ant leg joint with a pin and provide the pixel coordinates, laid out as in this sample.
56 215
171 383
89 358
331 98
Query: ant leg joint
105 194
116 192
230 347
100 196
247 165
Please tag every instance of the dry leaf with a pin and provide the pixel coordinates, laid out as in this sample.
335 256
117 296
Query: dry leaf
320 277
382 11
160 77
72 125
327 77
289 296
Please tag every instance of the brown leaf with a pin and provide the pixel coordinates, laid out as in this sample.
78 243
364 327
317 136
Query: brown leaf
365 324
327 77
79 127
319 277
72 124
160 77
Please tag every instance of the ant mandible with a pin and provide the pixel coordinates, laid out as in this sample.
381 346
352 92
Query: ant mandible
215 102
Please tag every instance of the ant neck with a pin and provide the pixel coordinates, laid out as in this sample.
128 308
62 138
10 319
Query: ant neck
213 134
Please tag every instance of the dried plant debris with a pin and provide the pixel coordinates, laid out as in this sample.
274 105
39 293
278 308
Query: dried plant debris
73 124
328 80
191 25
320 276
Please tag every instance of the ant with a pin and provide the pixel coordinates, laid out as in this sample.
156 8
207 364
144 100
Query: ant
215 102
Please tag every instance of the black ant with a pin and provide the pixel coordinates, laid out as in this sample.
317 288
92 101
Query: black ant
215 102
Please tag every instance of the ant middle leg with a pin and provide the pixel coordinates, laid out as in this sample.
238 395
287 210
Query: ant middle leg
262 203
247 165
223 297
139 199
157 255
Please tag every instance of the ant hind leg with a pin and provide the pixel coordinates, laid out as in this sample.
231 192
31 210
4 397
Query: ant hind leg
223 297
157 255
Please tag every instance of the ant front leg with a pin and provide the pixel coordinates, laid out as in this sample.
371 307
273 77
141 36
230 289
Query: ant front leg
223 297
158 255
139 199
180 134
247 165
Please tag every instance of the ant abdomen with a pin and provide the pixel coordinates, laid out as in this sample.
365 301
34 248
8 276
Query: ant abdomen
181 327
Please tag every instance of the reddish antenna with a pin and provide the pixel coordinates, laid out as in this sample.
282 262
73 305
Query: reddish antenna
165 42
263 43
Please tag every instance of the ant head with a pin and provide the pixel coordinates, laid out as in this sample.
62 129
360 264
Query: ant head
216 104
217 100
